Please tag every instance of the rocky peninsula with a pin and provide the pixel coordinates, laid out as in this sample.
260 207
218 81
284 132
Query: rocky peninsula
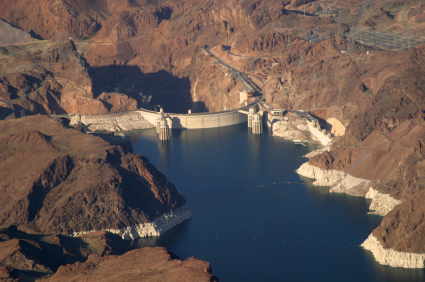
58 183
58 179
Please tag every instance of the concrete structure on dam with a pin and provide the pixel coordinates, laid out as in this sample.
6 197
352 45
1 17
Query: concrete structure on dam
140 119
197 120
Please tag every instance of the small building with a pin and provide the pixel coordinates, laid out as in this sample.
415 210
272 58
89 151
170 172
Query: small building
278 112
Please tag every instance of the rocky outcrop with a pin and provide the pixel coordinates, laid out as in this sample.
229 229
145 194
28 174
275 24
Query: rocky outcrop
29 257
391 257
75 182
114 123
289 131
341 182
105 103
318 152
319 134
146 264
157 227
381 203
320 177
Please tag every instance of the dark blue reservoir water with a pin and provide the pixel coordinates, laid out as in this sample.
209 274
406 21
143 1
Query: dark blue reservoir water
254 218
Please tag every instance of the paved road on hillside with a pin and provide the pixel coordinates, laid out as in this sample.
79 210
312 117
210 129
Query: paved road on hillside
235 72
360 13
9 112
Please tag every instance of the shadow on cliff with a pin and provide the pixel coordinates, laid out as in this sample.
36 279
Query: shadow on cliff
168 91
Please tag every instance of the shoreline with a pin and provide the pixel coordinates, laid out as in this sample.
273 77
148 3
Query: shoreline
301 130
382 204
157 227
391 257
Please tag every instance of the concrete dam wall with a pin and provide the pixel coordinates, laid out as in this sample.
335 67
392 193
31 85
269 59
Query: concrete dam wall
141 119
198 121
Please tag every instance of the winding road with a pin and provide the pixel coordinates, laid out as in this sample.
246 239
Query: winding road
9 112
235 72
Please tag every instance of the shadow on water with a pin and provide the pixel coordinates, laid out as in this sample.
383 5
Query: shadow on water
167 90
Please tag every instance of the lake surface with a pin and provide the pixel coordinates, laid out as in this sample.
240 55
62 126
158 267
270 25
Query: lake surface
254 218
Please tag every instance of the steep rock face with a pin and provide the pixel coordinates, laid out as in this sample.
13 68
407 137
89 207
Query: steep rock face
75 182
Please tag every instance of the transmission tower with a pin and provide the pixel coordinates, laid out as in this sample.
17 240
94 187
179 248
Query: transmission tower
86 77
79 68
60 46
47 62
339 31
301 60
408 29
251 64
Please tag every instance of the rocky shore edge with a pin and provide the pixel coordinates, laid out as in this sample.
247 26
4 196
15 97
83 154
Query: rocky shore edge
157 227
341 182
391 257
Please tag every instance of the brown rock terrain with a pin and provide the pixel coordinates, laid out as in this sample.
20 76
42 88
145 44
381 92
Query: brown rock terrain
155 48
41 77
383 132
146 264
142 48
56 179
145 49
26 257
